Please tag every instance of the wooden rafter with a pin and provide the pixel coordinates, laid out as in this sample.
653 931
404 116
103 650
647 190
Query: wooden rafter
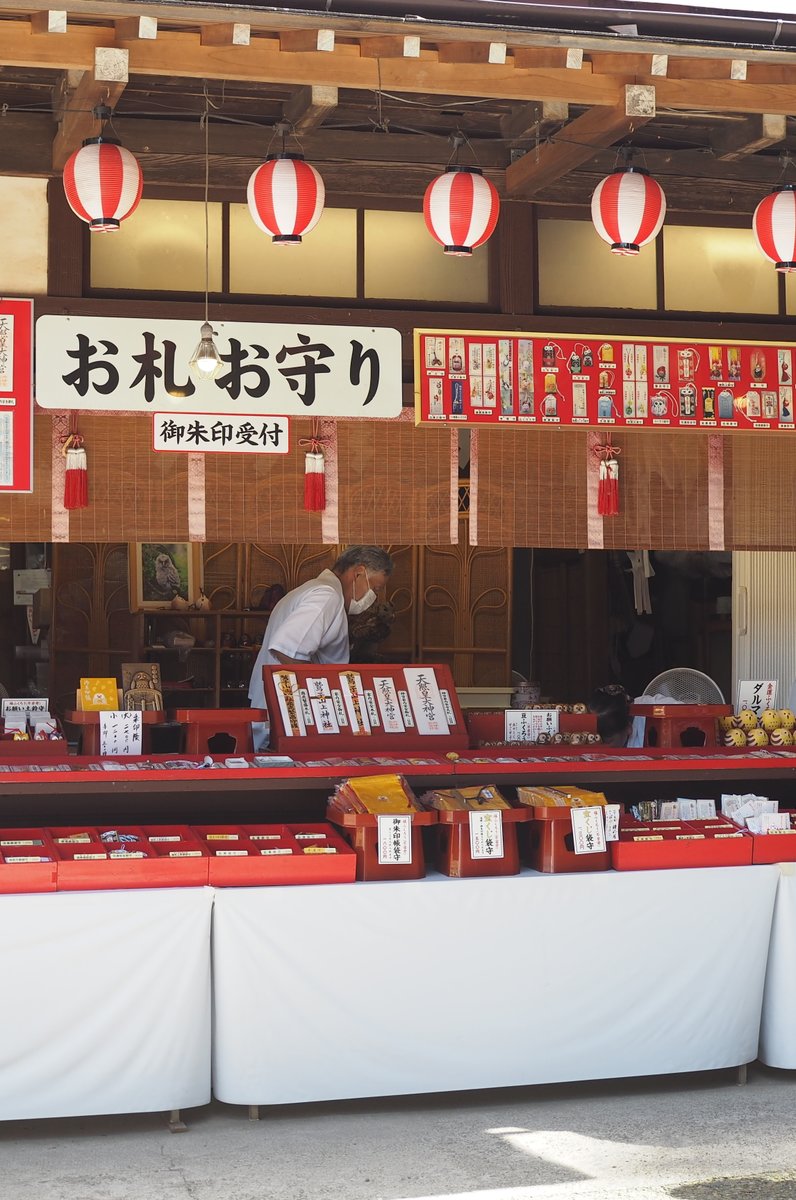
309 107
749 137
575 144
78 121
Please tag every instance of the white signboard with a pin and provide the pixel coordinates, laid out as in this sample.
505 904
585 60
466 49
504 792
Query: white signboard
131 364
525 724
486 833
120 733
395 838
25 705
588 830
225 433
757 694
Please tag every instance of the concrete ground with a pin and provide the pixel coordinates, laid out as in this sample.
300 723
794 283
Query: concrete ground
693 1137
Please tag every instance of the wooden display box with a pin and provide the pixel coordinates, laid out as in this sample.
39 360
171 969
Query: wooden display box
204 725
84 862
18 875
378 741
361 829
490 727
551 847
673 848
667 724
268 855
31 749
775 847
454 853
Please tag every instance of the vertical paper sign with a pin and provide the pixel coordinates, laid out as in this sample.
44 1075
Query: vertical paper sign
16 395
426 701
389 706
588 831
486 833
757 694
612 812
395 838
320 695
120 733
287 694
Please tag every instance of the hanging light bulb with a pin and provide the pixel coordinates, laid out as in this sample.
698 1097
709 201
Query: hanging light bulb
205 362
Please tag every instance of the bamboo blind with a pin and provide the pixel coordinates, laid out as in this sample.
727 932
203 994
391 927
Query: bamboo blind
28 518
531 488
663 492
394 483
761 504
135 495
260 497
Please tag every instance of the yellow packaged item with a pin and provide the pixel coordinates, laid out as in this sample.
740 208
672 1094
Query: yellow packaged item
380 794
464 799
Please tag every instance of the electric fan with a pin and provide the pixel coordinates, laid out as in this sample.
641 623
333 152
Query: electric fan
685 686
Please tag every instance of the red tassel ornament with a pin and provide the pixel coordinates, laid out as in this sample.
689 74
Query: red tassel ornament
608 485
76 474
314 481
314 471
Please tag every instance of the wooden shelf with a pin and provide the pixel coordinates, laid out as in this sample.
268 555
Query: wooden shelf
217 623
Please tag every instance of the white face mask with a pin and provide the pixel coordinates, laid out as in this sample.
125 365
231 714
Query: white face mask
359 606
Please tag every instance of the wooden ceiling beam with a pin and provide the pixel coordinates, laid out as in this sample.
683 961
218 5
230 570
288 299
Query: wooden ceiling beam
182 55
176 14
78 121
573 145
749 137
310 106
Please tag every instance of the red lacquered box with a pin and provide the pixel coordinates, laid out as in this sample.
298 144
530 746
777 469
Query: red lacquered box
551 846
19 869
454 850
219 731
775 847
361 830
321 854
187 859
672 847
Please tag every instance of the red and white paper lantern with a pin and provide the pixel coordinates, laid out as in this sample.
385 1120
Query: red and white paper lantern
103 184
627 209
774 227
461 209
286 197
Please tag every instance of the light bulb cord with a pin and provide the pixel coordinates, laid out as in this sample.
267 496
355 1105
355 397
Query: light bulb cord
206 120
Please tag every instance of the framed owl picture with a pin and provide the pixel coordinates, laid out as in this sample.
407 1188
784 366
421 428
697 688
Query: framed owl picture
161 571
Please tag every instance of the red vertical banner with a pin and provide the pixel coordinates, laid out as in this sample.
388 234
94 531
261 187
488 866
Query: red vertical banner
16 395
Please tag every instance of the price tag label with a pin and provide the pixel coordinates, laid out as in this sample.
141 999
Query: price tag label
395 838
588 831
612 812
486 833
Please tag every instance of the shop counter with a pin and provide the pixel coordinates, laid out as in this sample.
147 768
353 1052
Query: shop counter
445 984
105 1002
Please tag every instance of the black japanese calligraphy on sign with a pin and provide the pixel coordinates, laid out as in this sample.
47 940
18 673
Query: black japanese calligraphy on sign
206 433
132 365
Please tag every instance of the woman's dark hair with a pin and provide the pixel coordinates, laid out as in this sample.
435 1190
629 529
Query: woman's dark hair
611 707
